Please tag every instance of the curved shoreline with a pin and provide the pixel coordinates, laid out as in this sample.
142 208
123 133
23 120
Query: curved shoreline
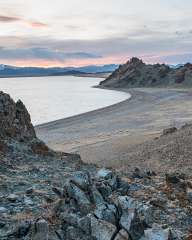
133 92
105 135
96 111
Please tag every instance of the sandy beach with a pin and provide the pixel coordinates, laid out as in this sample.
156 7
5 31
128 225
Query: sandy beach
105 136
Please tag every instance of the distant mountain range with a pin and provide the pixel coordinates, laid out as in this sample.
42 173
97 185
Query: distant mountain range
12 71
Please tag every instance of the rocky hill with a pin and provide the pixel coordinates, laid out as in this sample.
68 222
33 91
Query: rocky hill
169 152
47 195
135 73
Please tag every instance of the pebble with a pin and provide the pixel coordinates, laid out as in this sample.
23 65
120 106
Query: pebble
12 197
105 173
3 210
28 201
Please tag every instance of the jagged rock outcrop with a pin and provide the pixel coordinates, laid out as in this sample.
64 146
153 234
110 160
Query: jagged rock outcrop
15 121
135 73
72 213
17 135
51 195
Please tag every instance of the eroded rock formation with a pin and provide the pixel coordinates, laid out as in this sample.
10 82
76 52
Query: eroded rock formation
135 73
15 121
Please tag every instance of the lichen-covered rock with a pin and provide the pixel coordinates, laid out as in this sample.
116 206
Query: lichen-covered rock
105 173
102 230
126 203
15 121
131 222
81 179
41 230
16 232
96 196
104 189
107 212
82 200
157 233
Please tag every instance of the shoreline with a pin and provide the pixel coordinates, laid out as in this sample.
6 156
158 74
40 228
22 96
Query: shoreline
95 75
73 96
99 110
96 111
107 134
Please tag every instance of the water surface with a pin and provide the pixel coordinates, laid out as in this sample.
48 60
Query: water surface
52 98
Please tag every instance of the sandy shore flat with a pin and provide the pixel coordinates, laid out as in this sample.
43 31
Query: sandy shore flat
105 136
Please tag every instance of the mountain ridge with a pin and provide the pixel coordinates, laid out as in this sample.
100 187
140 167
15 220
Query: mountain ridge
136 73
13 71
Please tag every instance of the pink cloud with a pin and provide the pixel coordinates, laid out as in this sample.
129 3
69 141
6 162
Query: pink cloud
33 24
37 24
67 62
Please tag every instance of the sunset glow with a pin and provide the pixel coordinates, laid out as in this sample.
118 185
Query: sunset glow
57 33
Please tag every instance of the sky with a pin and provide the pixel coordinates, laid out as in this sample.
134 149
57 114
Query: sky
85 32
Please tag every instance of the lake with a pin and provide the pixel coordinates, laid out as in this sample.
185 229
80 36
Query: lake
56 97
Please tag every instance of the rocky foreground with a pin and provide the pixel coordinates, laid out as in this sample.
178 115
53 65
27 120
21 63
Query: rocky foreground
47 195
135 73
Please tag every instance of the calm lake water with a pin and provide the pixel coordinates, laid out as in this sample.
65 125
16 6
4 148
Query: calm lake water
52 98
